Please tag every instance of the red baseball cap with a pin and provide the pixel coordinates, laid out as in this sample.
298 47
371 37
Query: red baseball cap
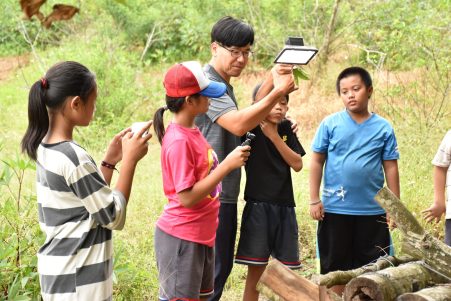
188 78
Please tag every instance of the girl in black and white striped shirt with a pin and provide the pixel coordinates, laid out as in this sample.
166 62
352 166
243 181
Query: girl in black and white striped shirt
77 208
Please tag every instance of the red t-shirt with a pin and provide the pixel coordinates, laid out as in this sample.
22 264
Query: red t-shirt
186 158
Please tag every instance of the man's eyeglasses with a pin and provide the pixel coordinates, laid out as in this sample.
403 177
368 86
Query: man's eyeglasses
237 53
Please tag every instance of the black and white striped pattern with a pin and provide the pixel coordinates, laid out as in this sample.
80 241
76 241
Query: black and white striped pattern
77 211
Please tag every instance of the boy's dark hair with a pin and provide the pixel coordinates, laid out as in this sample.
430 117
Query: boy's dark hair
257 87
230 32
61 81
364 75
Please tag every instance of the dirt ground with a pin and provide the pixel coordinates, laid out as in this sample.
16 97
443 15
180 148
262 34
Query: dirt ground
10 63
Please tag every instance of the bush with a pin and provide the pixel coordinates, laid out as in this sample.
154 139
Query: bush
20 235
181 30
410 35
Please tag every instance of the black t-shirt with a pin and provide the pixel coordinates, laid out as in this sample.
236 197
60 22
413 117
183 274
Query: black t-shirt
268 176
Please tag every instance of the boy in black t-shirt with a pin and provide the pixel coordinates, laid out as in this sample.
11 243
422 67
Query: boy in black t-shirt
269 225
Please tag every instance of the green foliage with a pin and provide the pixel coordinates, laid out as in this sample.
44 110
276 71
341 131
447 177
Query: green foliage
17 35
410 35
184 32
20 235
10 37
172 37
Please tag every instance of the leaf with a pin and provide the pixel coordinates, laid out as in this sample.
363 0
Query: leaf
24 164
14 288
22 298
24 281
114 278
5 175
298 74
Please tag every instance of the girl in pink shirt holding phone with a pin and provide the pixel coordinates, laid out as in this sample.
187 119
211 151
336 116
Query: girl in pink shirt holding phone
186 230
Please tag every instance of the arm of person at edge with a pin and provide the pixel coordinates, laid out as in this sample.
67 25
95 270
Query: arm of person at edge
267 86
392 179
316 174
293 159
438 207
238 122
192 196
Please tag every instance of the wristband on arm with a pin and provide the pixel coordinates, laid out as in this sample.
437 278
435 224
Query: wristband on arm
314 203
108 165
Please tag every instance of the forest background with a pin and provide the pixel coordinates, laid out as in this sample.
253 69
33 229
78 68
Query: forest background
130 43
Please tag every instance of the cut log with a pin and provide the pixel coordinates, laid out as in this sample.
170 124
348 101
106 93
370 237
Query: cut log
280 283
389 283
433 252
343 277
416 242
435 293
404 220
328 295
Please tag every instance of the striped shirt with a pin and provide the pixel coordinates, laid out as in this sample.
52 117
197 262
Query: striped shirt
77 211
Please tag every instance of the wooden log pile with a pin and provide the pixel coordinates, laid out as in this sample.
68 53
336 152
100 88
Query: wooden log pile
436 293
424 274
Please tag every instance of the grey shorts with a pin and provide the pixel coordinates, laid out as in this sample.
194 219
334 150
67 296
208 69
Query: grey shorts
185 268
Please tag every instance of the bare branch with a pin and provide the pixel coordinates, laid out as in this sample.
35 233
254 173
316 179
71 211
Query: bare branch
24 32
149 41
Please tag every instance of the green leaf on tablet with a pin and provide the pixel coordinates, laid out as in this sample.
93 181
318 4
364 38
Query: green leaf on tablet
298 74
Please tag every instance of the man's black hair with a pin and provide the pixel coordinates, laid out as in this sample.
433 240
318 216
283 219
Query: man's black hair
230 32
257 87
364 75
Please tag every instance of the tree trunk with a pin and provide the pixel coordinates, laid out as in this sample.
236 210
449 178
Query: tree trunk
330 29
416 242
389 283
280 283
435 293
324 50
343 277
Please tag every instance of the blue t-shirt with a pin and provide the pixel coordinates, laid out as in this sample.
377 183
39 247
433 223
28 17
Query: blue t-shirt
353 173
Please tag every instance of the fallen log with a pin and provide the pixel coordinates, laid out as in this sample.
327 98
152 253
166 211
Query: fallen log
435 293
343 277
280 283
416 242
404 220
389 283
433 252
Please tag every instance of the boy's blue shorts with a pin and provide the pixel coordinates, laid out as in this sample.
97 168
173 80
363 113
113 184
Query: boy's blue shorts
347 242
268 230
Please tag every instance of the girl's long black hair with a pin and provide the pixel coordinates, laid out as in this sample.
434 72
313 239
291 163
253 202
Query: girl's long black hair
173 104
50 93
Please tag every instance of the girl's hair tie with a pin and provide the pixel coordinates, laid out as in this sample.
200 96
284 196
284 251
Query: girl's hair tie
165 108
44 83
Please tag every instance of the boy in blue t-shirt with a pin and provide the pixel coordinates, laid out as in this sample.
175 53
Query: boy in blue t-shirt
356 148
